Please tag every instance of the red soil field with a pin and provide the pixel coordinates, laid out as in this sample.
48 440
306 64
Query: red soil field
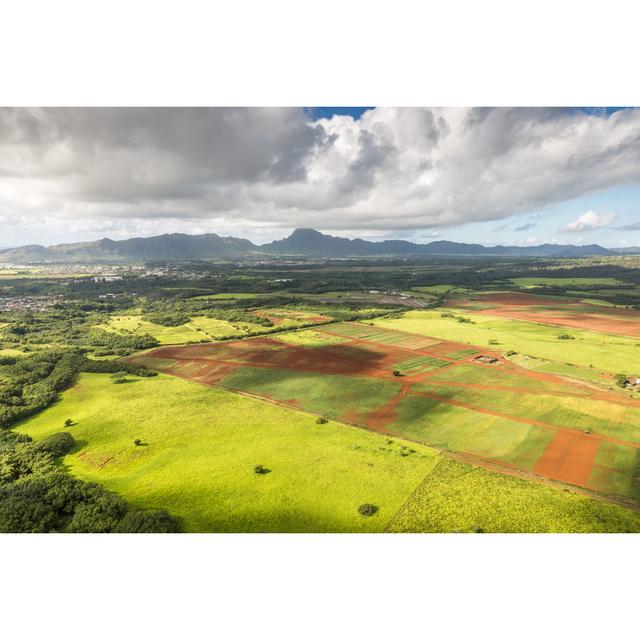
522 306
569 457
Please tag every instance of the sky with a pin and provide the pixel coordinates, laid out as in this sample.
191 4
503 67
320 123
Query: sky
490 175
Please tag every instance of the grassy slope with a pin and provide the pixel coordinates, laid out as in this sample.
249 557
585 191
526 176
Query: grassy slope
203 443
610 353
458 497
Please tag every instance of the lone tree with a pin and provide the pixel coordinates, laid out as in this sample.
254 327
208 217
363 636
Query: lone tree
259 470
621 379
367 509
68 422
321 421
137 442
397 373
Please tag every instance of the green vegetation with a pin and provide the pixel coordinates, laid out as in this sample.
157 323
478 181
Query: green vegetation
458 429
605 352
201 448
459 498
533 282
36 497
309 338
606 418
330 395
419 364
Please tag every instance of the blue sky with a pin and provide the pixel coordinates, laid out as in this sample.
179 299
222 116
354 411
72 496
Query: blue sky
546 225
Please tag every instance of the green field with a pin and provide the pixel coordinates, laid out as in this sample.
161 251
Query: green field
197 329
329 395
605 418
419 364
564 370
458 497
528 283
609 353
459 429
200 448
308 338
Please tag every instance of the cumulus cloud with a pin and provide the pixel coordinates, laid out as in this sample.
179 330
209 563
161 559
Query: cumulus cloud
235 170
590 221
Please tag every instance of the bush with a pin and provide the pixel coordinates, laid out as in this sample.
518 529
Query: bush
57 444
367 509
397 373
565 336
156 521
321 421
137 442
259 470
621 379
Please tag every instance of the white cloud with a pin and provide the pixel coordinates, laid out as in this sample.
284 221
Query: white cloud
590 221
238 170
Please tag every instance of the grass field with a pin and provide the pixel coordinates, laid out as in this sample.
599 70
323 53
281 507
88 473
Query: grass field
459 429
308 338
458 497
329 395
198 329
604 418
609 353
200 448
528 283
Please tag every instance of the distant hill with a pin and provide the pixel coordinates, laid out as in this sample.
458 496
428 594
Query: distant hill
308 242
302 243
173 246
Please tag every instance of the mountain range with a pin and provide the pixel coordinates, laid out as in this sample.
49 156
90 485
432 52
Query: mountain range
301 243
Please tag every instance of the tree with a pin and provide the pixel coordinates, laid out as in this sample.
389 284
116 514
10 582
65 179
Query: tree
621 379
321 421
397 373
137 442
367 509
68 422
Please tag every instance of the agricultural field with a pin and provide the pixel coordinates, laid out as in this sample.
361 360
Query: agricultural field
204 329
200 447
197 329
199 450
589 349
463 498
542 281
561 311
503 401
438 393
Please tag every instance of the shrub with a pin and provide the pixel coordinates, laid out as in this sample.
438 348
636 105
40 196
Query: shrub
137 442
153 521
565 336
259 470
621 379
57 444
397 373
321 421
367 509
